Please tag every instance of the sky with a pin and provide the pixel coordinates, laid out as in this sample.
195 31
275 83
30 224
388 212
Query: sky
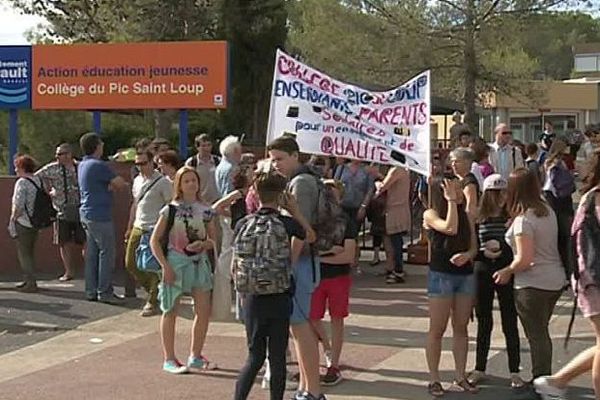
13 25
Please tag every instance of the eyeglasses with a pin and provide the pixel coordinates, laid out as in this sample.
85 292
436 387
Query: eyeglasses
61 154
507 133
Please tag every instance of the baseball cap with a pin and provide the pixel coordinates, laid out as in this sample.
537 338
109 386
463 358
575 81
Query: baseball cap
494 182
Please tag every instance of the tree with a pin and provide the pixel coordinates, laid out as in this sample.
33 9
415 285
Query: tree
125 21
471 46
254 29
550 37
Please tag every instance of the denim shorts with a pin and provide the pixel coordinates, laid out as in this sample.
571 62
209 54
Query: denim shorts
441 284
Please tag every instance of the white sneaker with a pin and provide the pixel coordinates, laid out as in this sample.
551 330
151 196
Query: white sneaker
328 360
548 392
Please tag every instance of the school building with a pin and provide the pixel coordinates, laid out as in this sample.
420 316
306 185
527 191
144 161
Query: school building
575 99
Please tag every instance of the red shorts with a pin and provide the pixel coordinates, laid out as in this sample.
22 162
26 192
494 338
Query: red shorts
334 294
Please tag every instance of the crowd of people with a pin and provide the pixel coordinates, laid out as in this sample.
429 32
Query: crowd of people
499 220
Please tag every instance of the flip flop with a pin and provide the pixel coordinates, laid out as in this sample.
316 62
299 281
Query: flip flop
65 278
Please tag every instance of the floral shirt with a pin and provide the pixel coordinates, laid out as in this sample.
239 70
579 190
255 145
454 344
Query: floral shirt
54 181
189 225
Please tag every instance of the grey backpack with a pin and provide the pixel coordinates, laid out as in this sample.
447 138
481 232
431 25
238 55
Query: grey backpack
261 251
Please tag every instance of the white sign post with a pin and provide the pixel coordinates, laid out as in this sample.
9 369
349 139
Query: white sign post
333 118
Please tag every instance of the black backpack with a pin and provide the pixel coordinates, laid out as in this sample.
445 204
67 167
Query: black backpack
330 222
43 214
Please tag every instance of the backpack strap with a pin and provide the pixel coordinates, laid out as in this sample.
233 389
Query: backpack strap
145 192
35 184
37 188
514 158
170 222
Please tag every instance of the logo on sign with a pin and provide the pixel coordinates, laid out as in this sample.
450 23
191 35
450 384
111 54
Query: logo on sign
15 74
218 99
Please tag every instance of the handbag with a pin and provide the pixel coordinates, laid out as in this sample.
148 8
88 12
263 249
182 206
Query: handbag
69 212
144 258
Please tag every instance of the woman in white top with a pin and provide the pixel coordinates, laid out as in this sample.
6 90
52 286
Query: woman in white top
20 226
539 276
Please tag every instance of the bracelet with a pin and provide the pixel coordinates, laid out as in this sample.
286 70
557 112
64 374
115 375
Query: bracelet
363 206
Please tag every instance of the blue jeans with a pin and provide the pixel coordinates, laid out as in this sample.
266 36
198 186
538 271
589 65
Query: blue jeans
99 259
441 284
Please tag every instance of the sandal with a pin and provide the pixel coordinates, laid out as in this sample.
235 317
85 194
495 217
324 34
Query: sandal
375 262
65 278
474 377
435 389
516 382
466 386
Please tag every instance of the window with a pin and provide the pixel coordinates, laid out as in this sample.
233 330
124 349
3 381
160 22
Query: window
586 63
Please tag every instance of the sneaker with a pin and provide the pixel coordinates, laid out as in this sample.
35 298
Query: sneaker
309 396
299 395
394 277
149 310
328 360
173 367
200 363
29 287
332 377
545 389
21 285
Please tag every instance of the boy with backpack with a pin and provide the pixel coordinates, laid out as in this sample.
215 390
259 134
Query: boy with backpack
333 293
266 245
317 207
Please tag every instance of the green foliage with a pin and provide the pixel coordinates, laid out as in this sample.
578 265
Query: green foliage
41 131
253 28
470 46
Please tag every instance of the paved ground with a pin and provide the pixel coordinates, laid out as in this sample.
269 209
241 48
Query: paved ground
54 345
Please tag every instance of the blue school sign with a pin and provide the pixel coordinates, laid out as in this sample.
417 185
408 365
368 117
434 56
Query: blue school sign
15 77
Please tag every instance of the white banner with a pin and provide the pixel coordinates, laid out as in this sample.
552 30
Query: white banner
333 118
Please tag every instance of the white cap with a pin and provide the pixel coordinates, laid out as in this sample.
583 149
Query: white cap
494 182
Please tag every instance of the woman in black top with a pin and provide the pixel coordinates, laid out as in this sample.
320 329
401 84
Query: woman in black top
450 280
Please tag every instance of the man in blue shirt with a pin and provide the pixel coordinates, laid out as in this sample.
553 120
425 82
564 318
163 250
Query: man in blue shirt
96 184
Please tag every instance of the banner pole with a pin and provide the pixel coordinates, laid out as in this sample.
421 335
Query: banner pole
97 122
13 138
183 134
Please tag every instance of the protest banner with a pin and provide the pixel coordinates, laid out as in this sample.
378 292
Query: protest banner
332 118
